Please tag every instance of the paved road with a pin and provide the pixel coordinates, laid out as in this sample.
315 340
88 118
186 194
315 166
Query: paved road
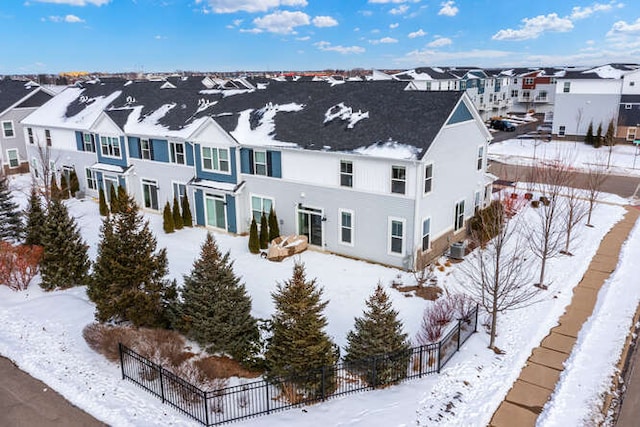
27 402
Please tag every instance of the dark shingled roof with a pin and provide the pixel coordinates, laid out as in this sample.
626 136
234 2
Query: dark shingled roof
575 75
12 91
36 100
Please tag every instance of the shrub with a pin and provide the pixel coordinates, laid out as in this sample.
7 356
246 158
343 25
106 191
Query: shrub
254 240
486 223
18 265
264 232
167 219
187 220
102 203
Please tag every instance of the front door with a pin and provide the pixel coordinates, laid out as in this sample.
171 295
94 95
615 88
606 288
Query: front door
215 211
310 224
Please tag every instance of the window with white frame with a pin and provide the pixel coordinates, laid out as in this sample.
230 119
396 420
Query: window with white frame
631 134
47 137
477 202
30 135
528 80
627 106
215 159
12 155
260 205
398 179
92 181
110 146
145 149
89 142
396 236
176 150
562 130
480 160
346 173
526 94
346 227
34 167
428 178
542 96
7 129
426 234
566 88
260 162
179 190
458 221
514 93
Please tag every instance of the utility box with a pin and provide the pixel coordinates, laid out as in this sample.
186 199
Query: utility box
457 250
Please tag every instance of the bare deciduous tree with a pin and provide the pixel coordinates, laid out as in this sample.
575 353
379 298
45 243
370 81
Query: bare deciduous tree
575 209
596 176
499 271
43 170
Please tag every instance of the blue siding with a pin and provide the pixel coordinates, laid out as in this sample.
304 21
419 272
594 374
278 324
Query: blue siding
160 150
79 141
121 182
199 202
231 214
188 152
213 176
134 147
461 114
246 160
274 161
122 161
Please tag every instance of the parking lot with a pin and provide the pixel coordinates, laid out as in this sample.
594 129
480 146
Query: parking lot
521 129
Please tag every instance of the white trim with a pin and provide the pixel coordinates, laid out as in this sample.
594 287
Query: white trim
390 221
308 209
456 215
260 196
422 234
149 150
173 155
13 129
213 169
480 157
110 147
152 182
92 138
345 173
632 130
30 135
351 227
10 150
392 179
424 178
221 198
173 189
93 176
255 163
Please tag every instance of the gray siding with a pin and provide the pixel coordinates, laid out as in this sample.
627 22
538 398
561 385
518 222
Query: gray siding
596 108
15 115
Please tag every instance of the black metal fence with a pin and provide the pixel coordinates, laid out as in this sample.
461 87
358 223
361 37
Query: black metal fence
262 397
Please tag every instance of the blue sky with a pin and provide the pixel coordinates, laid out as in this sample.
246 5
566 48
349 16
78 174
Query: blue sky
52 36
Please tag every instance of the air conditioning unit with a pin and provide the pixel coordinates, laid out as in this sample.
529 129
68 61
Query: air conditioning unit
457 250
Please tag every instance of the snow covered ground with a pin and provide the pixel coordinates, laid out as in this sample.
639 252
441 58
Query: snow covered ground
42 333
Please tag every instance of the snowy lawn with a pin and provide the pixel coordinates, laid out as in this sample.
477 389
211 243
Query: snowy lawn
42 334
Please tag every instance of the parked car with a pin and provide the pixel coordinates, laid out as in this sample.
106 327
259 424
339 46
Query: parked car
504 125
544 128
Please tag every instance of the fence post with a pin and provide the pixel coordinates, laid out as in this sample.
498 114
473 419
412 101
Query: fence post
161 383
323 384
121 359
267 394
206 407
439 355
374 372
459 332
420 374
475 327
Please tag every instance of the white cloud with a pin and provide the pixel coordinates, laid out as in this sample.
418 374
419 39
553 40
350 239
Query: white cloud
448 9
440 42
392 1
324 21
76 2
384 40
231 6
532 28
579 12
419 33
590 42
251 31
71 19
303 39
431 56
159 37
400 10
623 28
282 22
366 12
345 50
394 25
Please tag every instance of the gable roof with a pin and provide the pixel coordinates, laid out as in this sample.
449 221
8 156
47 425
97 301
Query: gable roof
13 91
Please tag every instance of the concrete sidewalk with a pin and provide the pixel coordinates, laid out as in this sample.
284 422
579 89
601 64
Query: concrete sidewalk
538 378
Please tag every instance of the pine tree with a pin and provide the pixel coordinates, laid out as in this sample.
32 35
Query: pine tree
113 200
122 193
64 186
102 203
378 332
187 220
65 262
264 232
609 136
55 190
35 219
167 219
216 310
299 347
589 139
254 240
74 184
177 218
598 139
274 228
128 282
10 216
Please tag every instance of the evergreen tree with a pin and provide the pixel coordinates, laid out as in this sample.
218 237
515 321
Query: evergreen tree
216 310
35 219
167 219
55 190
589 138
609 136
598 139
65 262
74 184
274 228
299 347
10 216
254 240
264 232
187 220
177 218
113 200
128 282
102 203
378 332
122 194
64 186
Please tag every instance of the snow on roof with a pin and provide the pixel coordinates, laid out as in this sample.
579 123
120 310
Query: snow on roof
343 112
226 92
53 113
390 150
607 72
107 168
263 133
150 125
214 185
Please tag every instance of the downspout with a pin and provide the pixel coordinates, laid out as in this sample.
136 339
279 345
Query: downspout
416 210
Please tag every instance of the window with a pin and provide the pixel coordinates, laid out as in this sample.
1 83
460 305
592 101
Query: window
426 234
477 202
92 182
525 94
480 157
631 134
259 205
260 162
110 146
396 236
145 149
346 227
514 93
47 137
179 190
567 87
458 221
215 159
346 173
176 150
515 81
12 155
561 130
30 135
632 83
627 106
7 129
528 80
89 142
542 96
428 179
150 194
398 179
34 167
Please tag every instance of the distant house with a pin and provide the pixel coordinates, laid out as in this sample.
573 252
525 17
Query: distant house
18 99
628 128
363 169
